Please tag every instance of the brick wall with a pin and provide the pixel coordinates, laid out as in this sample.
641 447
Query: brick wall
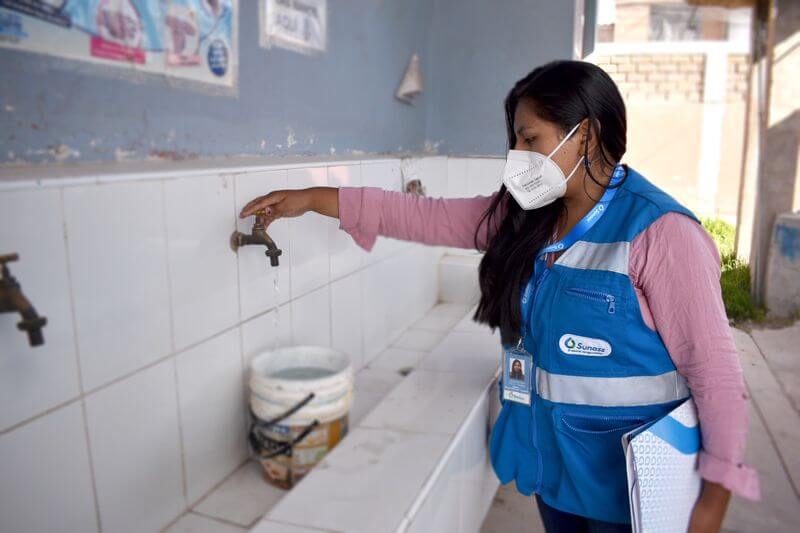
670 77
737 77
656 77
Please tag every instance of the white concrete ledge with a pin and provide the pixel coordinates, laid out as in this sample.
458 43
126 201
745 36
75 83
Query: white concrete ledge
419 460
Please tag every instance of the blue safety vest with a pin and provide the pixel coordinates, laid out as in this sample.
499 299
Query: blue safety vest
598 369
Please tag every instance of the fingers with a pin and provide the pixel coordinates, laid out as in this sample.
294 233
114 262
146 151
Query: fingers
261 202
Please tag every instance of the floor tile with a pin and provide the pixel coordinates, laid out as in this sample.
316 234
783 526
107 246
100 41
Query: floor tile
243 498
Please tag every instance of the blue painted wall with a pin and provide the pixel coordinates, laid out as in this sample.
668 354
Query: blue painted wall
478 51
340 102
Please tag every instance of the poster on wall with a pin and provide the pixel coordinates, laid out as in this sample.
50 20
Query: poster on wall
191 40
299 25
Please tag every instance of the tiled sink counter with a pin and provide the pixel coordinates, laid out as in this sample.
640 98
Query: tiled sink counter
418 461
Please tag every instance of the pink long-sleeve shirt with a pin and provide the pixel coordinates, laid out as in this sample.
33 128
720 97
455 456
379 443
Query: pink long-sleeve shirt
675 269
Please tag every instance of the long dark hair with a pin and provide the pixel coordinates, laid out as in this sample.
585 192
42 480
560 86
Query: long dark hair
564 93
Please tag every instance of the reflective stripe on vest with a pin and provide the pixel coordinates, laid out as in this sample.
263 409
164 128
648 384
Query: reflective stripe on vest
612 256
611 392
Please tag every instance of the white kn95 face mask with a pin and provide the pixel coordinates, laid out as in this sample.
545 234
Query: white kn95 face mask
534 179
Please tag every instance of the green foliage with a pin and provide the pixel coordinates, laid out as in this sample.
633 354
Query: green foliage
735 278
722 233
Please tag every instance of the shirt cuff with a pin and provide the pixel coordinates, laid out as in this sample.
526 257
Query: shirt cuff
360 214
738 478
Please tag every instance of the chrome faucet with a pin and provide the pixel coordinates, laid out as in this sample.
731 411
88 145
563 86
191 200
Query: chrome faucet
13 301
258 236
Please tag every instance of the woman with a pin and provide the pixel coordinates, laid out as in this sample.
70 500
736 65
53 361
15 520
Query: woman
516 370
598 281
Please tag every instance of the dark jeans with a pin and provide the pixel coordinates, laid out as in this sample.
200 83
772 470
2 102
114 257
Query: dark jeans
556 521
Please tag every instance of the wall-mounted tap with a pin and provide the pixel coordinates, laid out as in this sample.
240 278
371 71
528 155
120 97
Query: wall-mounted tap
13 301
258 235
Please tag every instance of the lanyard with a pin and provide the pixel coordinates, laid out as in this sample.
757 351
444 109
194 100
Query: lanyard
540 269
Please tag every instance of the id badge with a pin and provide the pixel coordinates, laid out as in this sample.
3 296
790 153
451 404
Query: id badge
517 363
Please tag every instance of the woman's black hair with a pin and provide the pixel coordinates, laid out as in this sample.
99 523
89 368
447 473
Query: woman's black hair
564 93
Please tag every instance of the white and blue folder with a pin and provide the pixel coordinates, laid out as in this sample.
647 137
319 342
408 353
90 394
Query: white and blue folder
663 483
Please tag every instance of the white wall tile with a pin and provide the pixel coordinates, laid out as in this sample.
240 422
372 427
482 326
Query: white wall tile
434 176
118 260
310 234
34 379
396 273
374 312
256 276
203 276
458 279
456 177
134 441
45 483
213 422
266 332
346 322
311 318
484 175
345 254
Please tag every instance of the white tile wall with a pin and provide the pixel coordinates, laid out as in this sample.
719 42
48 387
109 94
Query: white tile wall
456 177
35 379
46 483
256 277
310 257
135 446
266 332
311 318
346 325
158 320
118 260
213 422
484 175
202 266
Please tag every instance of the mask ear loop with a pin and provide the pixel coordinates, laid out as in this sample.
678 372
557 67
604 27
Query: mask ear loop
563 140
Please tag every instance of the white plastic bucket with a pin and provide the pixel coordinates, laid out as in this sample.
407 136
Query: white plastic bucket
280 381
283 378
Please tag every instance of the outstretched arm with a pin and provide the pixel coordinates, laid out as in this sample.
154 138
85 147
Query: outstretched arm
366 212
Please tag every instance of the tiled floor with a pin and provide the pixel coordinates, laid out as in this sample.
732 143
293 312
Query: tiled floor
239 502
771 363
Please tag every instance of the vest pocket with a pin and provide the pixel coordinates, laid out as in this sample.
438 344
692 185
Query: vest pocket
587 329
593 459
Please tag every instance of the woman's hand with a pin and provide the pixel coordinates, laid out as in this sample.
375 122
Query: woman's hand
709 511
293 203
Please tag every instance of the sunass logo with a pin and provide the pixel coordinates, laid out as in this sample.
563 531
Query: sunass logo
576 345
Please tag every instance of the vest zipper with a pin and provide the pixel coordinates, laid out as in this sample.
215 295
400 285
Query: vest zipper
610 299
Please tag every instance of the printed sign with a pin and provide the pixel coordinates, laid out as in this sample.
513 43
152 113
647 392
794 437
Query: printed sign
299 25
187 39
